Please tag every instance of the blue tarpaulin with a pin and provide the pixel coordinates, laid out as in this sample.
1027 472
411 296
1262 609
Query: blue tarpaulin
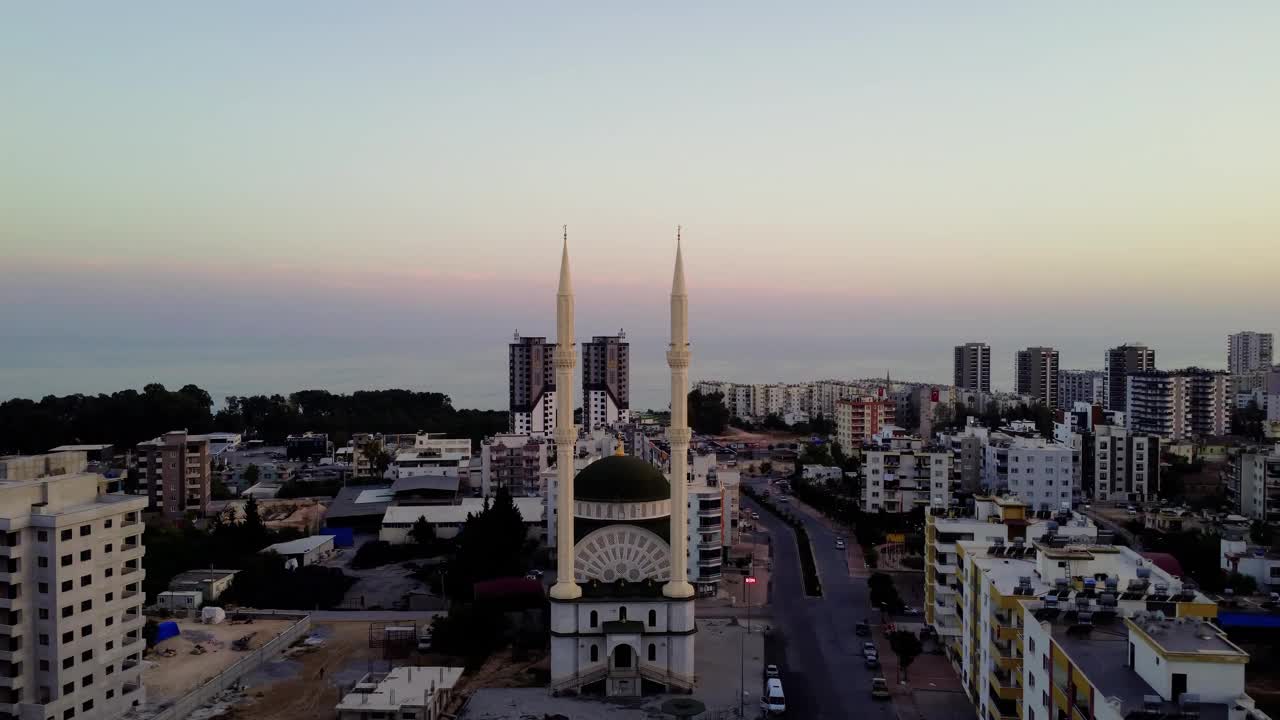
166 630
342 536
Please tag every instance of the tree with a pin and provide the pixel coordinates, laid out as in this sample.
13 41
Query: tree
907 647
708 414
253 525
423 532
251 474
1249 421
377 457
492 544
766 467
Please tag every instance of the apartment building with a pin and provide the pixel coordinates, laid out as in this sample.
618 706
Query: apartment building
1081 386
1179 404
71 593
1126 465
1043 474
174 472
1037 374
1249 352
531 384
1253 485
514 461
1057 626
995 520
606 381
1120 361
434 454
900 480
968 448
859 419
17 468
307 447
973 367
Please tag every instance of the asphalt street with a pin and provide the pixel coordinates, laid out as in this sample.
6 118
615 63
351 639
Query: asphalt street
821 657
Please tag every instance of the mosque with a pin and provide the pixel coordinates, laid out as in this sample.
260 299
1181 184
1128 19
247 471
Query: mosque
622 608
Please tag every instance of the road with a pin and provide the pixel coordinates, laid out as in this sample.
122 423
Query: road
821 657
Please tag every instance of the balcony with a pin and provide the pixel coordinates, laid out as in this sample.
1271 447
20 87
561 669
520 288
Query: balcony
1003 633
1006 685
130 640
128 664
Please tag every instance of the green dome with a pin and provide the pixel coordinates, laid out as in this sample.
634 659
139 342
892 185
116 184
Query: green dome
621 478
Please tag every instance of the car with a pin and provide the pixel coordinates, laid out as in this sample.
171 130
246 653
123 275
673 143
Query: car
773 701
771 671
869 648
879 689
783 499
862 629
839 544
872 662
912 611
755 515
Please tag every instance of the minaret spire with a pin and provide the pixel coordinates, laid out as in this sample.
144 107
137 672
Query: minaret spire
566 435
678 434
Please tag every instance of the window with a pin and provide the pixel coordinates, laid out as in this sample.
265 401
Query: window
86 656
66 534
108 597
87 706
86 681
595 653
86 555
111 669
67 611
85 530
68 636
108 548
1044 698
1031 644
42 536
653 652
67 585
66 560
108 523
44 639
109 572
622 614
653 619
86 631
42 561
42 587
44 666
68 663
595 619
68 688
85 580
86 605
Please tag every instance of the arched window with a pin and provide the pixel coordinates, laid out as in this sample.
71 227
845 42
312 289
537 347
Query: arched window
622 656
653 652
653 619
595 618
595 653
622 614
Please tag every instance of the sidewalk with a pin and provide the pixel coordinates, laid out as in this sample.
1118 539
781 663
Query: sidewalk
927 673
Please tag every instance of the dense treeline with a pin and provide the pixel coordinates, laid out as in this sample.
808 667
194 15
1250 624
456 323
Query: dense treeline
127 417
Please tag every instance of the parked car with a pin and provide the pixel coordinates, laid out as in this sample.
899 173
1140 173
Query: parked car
839 544
862 629
912 611
879 689
869 648
771 671
872 662
774 702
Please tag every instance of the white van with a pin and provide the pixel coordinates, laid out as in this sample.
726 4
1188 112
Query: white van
773 702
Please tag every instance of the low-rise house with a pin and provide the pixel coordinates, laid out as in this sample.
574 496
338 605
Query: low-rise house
448 519
210 583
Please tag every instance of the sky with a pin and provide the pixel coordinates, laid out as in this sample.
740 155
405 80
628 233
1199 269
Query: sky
861 185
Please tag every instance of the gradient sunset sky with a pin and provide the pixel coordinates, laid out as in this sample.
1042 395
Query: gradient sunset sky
1024 173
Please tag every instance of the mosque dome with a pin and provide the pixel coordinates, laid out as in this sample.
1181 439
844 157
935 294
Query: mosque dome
621 479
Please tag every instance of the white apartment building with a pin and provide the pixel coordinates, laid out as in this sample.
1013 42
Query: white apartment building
1254 484
900 480
420 693
1249 352
1126 466
434 454
70 599
1179 404
1045 475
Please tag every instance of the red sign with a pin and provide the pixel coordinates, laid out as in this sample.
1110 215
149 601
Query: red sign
750 580
933 395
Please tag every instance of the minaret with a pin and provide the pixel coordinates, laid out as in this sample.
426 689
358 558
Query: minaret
566 436
679 434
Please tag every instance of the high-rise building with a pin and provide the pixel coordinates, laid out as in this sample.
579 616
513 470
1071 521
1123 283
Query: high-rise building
1086 386
606 383
532 385
1126 466
1038 374
71 626
973 367
1179 404
1042 474
1122 360
173 471
1249 352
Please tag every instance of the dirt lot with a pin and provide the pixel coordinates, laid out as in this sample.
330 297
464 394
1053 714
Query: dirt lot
309 679
766 437
168 678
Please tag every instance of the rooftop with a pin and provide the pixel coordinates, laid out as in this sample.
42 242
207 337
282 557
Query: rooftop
356 501
426 483
81 448
299 546
404 686
530 509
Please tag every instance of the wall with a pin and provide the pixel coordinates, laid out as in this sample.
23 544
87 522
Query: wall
188 703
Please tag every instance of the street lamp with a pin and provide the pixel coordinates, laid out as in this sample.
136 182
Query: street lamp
748 581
